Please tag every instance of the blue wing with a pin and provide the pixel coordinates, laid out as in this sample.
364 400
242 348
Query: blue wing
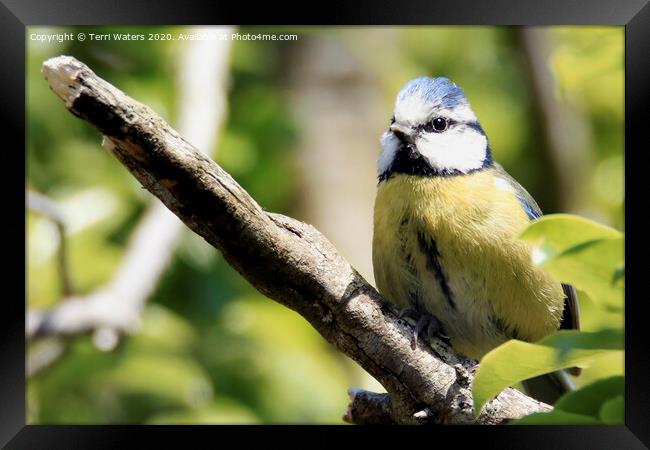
526 200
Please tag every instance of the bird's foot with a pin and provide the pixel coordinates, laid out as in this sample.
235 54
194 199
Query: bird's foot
411 313
426 326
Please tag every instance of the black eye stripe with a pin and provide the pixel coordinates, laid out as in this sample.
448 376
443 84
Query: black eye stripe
428 127
450 123
475 126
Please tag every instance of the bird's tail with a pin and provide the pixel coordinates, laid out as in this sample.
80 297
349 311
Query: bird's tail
549 387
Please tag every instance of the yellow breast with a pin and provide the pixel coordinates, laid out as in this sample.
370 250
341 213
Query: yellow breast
448 245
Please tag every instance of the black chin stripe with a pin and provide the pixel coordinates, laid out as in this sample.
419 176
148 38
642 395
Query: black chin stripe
409 161
475 126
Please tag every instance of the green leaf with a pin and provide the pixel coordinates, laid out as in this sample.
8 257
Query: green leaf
515 360
593 267
593 317
556 417
598 402
563 231
580 252
589 399
613 411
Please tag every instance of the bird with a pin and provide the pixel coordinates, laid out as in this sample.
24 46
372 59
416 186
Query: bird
446 220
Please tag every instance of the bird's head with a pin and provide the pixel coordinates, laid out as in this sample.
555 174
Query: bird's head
433 131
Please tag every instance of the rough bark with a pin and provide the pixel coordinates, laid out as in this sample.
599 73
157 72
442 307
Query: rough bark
287 260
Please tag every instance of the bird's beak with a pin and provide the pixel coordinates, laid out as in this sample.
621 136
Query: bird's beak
402 132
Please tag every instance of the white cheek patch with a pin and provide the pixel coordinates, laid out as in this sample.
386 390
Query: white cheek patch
463 150
390 145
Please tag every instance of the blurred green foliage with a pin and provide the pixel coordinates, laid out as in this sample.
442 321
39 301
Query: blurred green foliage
211 349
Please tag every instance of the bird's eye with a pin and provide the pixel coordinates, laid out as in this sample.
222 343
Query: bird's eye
439 124
392 120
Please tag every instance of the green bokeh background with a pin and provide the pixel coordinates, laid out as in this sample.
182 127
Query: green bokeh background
211 349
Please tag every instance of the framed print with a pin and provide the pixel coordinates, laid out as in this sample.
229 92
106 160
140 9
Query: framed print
376 215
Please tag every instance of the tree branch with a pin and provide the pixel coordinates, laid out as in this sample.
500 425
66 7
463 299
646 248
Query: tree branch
288 261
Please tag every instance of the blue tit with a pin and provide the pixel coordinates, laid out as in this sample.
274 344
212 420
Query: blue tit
446 220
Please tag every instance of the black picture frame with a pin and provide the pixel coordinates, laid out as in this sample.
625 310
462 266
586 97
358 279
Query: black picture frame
16 15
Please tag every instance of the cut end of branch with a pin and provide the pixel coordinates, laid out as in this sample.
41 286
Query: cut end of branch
61 73
352 392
